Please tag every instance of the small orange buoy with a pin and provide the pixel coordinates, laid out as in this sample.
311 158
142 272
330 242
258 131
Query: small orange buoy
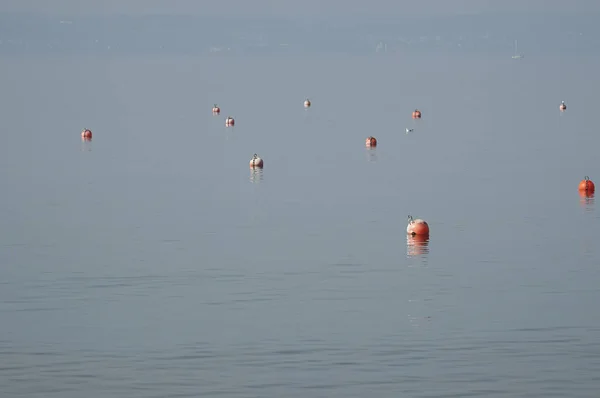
417 227
86 134
416 114
587 186
371 142
307 103
563 106
256 162
229 122
216 110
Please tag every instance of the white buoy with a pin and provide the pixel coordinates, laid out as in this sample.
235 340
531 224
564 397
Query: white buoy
256 161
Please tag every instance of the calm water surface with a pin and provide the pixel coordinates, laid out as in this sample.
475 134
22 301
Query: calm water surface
152 262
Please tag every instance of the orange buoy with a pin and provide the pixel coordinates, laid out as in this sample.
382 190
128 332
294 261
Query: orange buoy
86 134
216 110
417 227
371 142
587 186
563 106
256 162
229 122
416 114
307 103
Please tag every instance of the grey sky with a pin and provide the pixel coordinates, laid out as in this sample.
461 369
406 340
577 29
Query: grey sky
301 7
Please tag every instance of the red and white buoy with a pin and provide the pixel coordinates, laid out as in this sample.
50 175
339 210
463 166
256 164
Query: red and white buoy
307 103
563 106
216 110
256 162
229 122
86 134
371 142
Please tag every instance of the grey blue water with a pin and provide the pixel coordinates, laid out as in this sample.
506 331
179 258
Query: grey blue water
152 262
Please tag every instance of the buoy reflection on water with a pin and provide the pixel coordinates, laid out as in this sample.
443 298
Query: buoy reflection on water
371 154
256 175
417 245
86 145
587 200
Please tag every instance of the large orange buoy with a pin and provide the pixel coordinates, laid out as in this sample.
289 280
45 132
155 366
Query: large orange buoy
86 134
563 106
216 110
371 142
229 122
307 103
417 227
587 186
256 162
416 114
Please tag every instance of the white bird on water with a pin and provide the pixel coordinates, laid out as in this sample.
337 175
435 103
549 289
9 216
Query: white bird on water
409 130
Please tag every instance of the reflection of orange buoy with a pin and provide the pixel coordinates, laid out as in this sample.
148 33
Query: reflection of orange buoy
563 106
86 134
371 142
307 103
417 244
587 186
256 162
229 122
417 227
587 199
416 114
216 110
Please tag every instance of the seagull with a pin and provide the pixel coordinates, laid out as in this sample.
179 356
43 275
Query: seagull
409 131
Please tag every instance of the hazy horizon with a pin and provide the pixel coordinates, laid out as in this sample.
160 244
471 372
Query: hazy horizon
304 8
131 34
